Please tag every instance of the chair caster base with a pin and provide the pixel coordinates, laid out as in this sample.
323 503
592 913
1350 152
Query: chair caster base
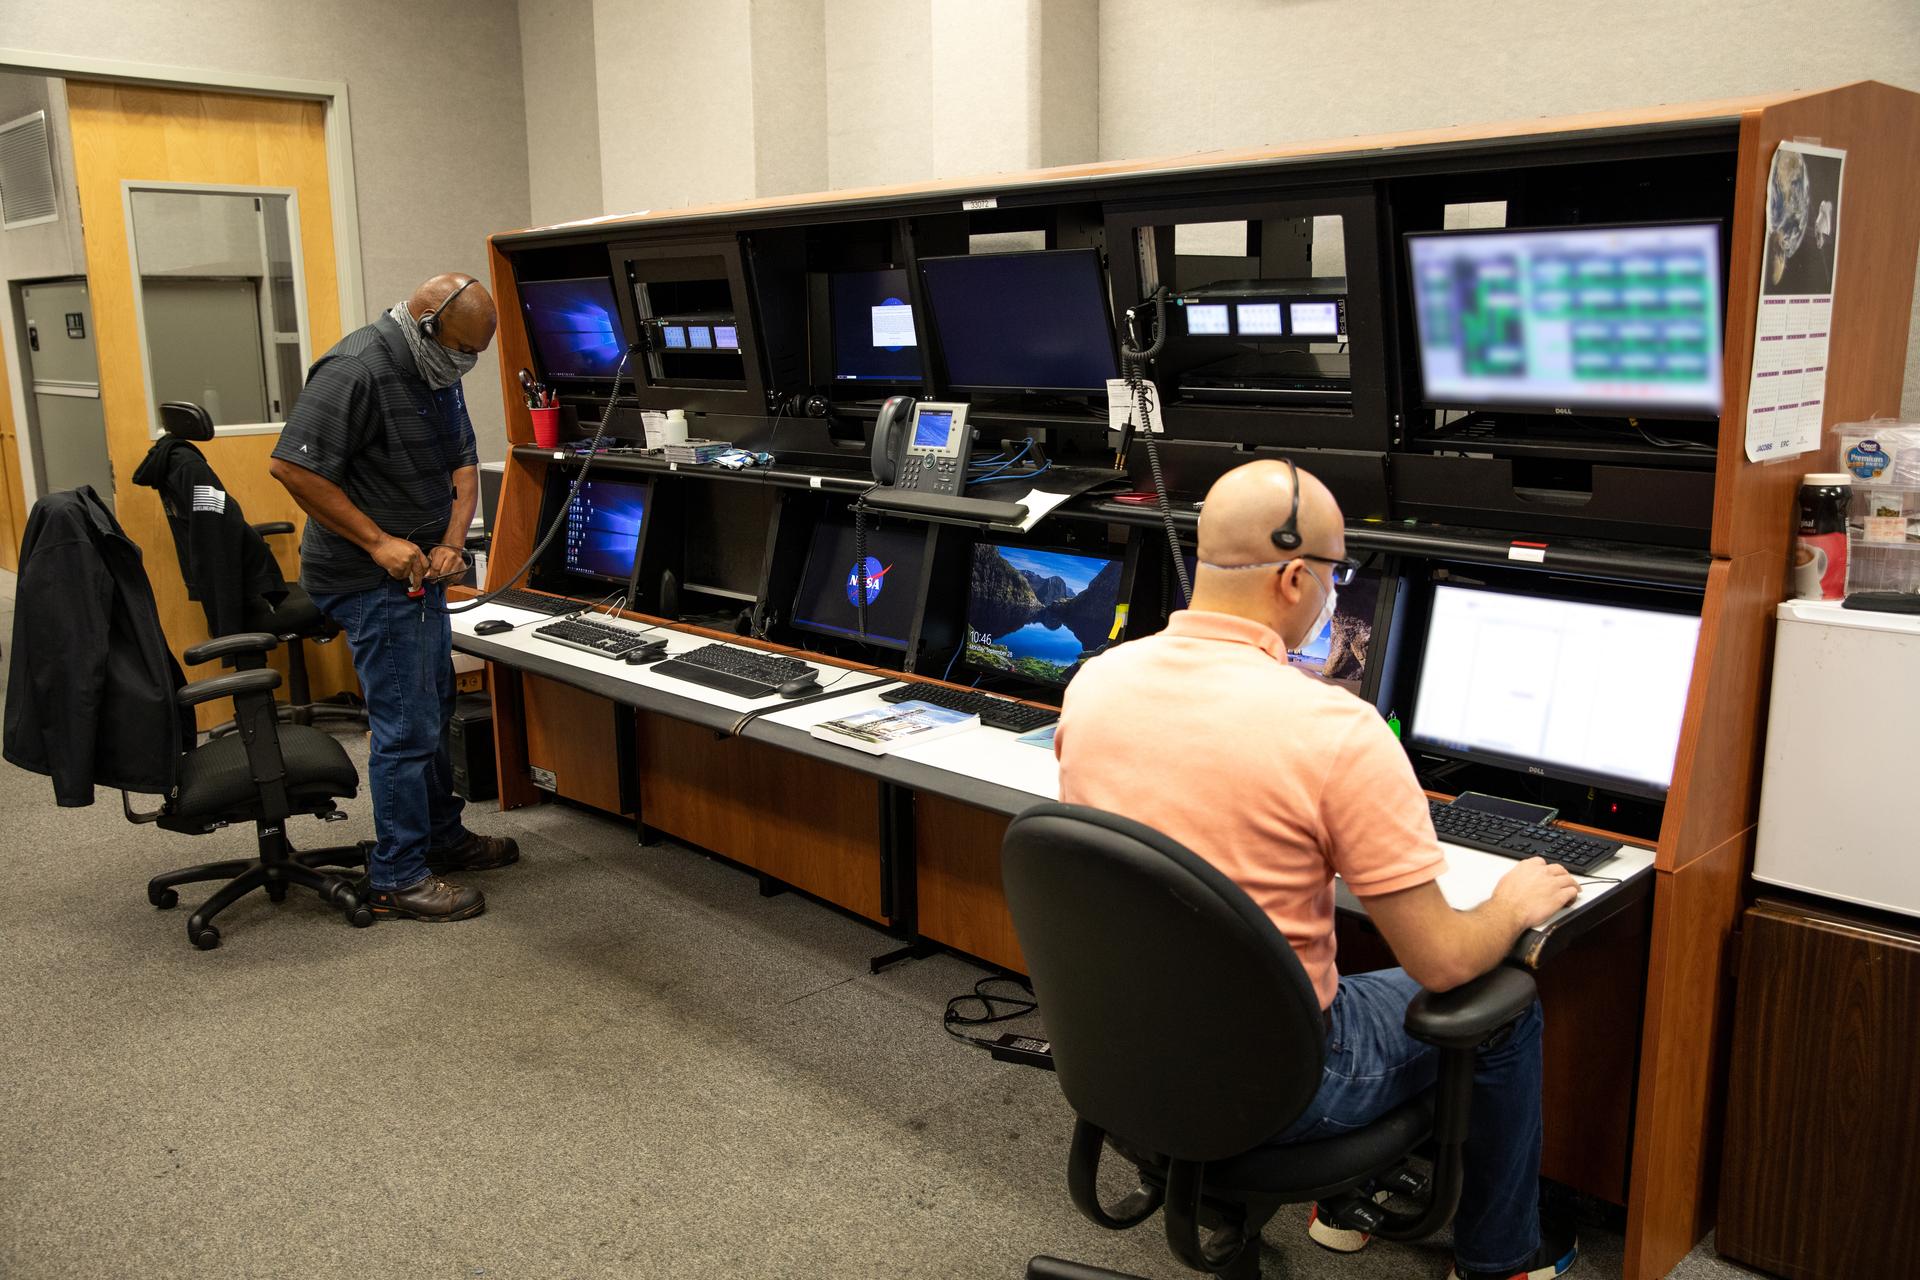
165 899
207 938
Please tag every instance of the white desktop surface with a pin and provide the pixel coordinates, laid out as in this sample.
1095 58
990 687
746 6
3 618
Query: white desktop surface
523 640
984 754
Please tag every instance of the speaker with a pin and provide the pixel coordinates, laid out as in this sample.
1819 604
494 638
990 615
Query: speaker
470 744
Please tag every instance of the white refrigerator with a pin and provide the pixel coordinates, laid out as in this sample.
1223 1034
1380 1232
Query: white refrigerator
1840 794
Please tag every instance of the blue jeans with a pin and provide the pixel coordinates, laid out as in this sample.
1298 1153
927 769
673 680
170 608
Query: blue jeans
1373 1066
403 654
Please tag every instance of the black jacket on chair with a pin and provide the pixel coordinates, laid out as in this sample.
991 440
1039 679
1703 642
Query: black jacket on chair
90 695
226 563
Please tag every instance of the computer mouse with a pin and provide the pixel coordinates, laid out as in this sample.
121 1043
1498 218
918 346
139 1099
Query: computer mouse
800 687
651 651
492 627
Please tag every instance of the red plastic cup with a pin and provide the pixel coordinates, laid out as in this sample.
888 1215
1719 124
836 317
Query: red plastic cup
546 427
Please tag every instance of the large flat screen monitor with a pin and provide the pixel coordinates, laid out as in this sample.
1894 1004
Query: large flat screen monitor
604 523
874 336
1022 321
828 600
1037 614
574 327
1564 688
1622 321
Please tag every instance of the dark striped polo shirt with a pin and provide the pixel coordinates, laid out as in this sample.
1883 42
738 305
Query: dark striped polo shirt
368 422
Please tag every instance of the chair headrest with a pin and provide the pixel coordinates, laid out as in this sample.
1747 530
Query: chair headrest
1181 1019
186 420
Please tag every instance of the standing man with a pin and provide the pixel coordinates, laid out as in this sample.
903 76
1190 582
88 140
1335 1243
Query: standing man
379 453
1282 782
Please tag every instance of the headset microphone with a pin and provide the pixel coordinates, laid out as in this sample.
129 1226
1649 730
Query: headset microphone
430 322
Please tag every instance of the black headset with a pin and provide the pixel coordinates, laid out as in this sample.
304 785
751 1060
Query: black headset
430 322
1287 536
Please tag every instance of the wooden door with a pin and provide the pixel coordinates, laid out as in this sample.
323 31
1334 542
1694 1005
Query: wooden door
13 503
121 133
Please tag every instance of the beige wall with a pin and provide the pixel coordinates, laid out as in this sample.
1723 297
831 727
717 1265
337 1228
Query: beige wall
563 110
439 121
1230 73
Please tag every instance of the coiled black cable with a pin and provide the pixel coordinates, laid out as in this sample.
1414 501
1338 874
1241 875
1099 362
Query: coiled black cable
1135 360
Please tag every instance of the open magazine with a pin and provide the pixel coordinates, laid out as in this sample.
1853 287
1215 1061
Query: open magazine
885 729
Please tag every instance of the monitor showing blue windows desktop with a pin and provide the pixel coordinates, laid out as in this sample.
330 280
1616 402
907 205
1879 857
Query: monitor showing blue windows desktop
574 327
1036 613
604 522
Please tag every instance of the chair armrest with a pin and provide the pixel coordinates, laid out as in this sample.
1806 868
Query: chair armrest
263 680
225 646
267 528
1465 1016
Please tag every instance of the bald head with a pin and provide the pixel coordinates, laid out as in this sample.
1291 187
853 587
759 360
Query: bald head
467 322
1242 511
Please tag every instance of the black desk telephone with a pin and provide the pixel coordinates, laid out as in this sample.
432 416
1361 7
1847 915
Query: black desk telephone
922 445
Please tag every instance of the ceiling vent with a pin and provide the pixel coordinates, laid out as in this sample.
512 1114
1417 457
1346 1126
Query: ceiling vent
26 173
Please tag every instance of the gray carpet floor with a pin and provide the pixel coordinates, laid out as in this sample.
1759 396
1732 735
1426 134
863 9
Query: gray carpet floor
632 1065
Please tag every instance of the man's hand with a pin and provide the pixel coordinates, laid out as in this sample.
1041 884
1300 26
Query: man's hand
444 563
401 559
1534 890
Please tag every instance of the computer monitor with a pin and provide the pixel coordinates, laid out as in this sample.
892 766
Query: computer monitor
1037 613
827 602
1622 321
1339 652
1034 321
1575 689
574 327
604 523
874 337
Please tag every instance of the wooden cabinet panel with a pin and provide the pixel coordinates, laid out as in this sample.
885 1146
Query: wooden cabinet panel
799 820
575 735
957 869
1823 1109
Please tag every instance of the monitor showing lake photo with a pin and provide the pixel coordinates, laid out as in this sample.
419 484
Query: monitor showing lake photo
1038 614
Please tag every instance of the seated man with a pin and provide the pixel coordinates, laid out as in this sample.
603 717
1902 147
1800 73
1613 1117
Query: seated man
1206 733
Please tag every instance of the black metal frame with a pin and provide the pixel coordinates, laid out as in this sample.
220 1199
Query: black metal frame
278 864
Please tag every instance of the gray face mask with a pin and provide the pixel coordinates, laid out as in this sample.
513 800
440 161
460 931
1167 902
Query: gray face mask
439 366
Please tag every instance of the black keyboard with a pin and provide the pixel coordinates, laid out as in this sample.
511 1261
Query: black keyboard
602 638
515 598
994 712
741 672
1512 839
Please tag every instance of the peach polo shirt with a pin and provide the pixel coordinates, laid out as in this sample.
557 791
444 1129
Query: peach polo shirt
1206 733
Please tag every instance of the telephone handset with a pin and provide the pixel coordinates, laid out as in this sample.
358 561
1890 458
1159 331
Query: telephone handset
922 445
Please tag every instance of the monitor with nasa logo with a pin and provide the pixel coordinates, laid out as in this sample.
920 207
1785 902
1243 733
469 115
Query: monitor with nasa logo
896 561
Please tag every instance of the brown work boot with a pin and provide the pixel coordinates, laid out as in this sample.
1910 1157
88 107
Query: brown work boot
475 853
432 900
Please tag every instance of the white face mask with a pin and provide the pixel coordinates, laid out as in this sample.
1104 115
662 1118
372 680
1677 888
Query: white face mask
1325 615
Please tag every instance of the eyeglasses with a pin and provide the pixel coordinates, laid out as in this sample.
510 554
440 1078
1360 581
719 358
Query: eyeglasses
1341 570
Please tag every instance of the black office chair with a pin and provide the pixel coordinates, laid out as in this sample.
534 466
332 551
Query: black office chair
295 620
1186 1034
263 773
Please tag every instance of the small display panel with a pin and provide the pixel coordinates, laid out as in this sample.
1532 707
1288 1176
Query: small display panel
827 602
1591 692
874 339
699 337
574 327
1034 321
1314 319
1208 319
673 337
1259 318
932 427
726 337
603 529
1038 614
1612 319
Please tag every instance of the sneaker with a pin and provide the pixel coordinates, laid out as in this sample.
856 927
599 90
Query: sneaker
1555 1256
432 900
1328 1236
475 853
